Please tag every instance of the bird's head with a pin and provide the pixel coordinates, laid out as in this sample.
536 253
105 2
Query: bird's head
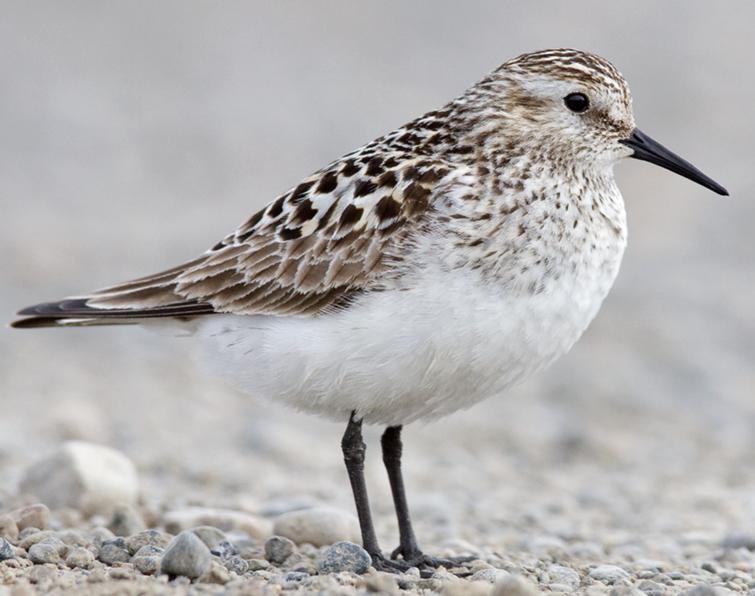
575 108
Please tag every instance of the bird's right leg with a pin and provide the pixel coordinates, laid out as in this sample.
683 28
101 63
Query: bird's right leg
353 448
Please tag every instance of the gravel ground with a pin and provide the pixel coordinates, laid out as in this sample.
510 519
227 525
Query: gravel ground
627 468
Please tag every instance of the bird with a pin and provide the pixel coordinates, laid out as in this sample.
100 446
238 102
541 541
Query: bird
431 268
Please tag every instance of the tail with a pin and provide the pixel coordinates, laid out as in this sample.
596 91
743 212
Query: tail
77 312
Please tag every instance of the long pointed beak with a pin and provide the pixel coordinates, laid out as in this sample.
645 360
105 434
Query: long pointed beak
647 149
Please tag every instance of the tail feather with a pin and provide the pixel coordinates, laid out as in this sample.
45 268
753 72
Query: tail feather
78 312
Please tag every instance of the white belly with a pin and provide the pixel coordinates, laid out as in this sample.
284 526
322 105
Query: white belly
398 356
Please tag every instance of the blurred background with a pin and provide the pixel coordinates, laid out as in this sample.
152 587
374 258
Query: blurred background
134 135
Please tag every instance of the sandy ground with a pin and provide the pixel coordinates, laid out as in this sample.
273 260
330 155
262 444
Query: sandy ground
139 135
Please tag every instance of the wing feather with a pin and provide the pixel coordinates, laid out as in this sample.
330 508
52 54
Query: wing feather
308 251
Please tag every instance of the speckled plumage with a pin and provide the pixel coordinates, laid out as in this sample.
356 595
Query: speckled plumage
425 271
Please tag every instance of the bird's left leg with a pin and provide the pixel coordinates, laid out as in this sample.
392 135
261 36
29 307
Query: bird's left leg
408 547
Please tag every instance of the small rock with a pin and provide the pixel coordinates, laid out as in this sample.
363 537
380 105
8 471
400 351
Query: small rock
739 540
186 555
559 574
223 519
72 538
345 556
125 521
319 526
8 528
114 551
224 549
216 574
514 585
31 538
236 565
278 549
490 575
6 550
101 534
209 535
121 573
31 516
147 538
257 564
90 478
609 574
292 578
147 559
47 551
80 557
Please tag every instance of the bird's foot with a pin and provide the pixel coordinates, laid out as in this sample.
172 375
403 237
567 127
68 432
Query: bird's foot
416 558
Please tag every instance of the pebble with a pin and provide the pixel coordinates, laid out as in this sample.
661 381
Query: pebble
559 574
114 551
739 540
345 556
8 528
31 516
80 557
146 564
6 550
209 535
216 574
87 477
278 549
257 564
514 586
147 538
186 555
226 520
125 521
236 565
319 526
224 549
609 574
47 551
490 575
29 538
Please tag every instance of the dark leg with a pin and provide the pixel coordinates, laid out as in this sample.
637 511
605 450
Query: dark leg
408 547
392 447
353 448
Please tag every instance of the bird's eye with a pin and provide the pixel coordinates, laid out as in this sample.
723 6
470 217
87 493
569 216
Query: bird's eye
577 102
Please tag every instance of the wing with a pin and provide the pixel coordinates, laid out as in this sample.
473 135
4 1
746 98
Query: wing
338 233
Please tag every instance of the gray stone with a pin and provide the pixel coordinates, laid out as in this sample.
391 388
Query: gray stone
609 574
80 557
31 538
490 575
559 574
114 551
6 550
320 526
147 538
48 550
125 521
147 559
293 578
186 555
87 477
345 556
236 564
739 540
209 535
278 549
224 549
216 574
257 564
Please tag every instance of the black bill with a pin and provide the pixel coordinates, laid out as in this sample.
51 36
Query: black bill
647 149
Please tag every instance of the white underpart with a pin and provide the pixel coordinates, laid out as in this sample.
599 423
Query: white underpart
448 341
